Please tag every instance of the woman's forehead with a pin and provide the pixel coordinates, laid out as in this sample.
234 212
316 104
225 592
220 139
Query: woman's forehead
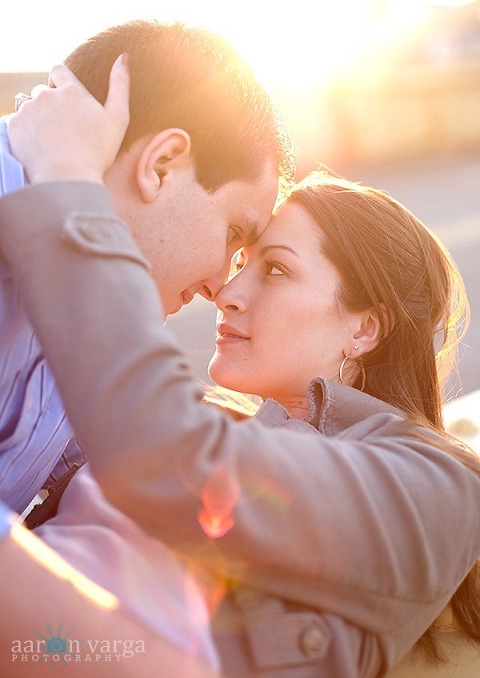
291 224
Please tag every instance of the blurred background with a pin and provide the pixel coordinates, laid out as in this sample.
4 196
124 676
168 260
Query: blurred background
385 92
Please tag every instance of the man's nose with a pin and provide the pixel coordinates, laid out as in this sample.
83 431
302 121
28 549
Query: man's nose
210 287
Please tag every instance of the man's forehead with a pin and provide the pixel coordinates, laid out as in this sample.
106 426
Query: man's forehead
252 230
258 204
254 226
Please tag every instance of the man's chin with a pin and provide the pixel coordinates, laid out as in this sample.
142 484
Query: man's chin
174 305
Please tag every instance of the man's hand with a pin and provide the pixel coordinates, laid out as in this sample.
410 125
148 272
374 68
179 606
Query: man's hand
64 133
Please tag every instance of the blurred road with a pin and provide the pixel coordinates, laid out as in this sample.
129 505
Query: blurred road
443 191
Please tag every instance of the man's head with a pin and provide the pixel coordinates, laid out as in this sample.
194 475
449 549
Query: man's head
199 168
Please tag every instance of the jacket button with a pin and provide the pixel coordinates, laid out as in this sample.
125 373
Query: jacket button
312 641
89 232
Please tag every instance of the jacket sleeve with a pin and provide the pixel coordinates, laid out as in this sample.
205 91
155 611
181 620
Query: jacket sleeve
366 525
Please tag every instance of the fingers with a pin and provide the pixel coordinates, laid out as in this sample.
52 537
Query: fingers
117 101
37 89
21 98
63 132
61 76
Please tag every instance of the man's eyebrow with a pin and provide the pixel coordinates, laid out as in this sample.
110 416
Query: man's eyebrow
265 249
251 230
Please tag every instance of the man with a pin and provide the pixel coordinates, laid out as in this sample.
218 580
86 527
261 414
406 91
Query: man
184 472
196 177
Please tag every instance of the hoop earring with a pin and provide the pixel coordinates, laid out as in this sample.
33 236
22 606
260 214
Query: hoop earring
362 370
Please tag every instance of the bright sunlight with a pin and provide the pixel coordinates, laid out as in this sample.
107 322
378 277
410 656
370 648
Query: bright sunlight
308 46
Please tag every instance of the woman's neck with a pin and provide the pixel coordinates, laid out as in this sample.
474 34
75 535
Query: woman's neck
297 406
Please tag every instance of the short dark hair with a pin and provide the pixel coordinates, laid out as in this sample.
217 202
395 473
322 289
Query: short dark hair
190 78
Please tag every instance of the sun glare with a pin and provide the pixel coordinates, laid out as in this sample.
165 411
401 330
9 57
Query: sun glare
302 49
307 46
311 47
51 561
451 3
405 14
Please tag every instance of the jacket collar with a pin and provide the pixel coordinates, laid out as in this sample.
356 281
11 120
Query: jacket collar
333 408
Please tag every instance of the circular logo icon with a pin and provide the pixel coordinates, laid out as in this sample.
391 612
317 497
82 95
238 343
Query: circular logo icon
56 645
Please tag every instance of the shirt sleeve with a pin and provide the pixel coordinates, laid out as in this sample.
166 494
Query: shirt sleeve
7 518
34 430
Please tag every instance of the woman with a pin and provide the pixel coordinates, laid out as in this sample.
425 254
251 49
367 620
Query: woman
368 242
334 261
322 522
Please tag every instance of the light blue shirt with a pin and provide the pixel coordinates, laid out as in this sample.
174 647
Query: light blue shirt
36 439
6 520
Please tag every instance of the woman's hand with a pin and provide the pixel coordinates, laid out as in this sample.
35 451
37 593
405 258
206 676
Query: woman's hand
63 132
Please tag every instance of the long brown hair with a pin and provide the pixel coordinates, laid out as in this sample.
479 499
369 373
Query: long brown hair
388 259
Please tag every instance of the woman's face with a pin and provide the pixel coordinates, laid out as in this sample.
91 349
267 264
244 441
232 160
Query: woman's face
279 323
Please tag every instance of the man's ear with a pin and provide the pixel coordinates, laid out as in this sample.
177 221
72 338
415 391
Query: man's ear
166 151
372 327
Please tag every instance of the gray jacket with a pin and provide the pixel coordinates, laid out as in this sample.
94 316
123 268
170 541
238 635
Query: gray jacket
340 538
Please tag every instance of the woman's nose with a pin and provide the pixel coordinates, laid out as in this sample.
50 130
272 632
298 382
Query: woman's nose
230 297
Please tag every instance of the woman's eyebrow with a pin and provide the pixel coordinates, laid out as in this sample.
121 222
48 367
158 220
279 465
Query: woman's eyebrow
265 249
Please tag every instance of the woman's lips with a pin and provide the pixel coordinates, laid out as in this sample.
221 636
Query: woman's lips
227 334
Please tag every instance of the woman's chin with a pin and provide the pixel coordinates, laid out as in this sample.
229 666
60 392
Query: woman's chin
217 371
223 378
227 377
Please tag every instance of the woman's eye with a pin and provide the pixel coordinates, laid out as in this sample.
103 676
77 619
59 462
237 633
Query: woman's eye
274 269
